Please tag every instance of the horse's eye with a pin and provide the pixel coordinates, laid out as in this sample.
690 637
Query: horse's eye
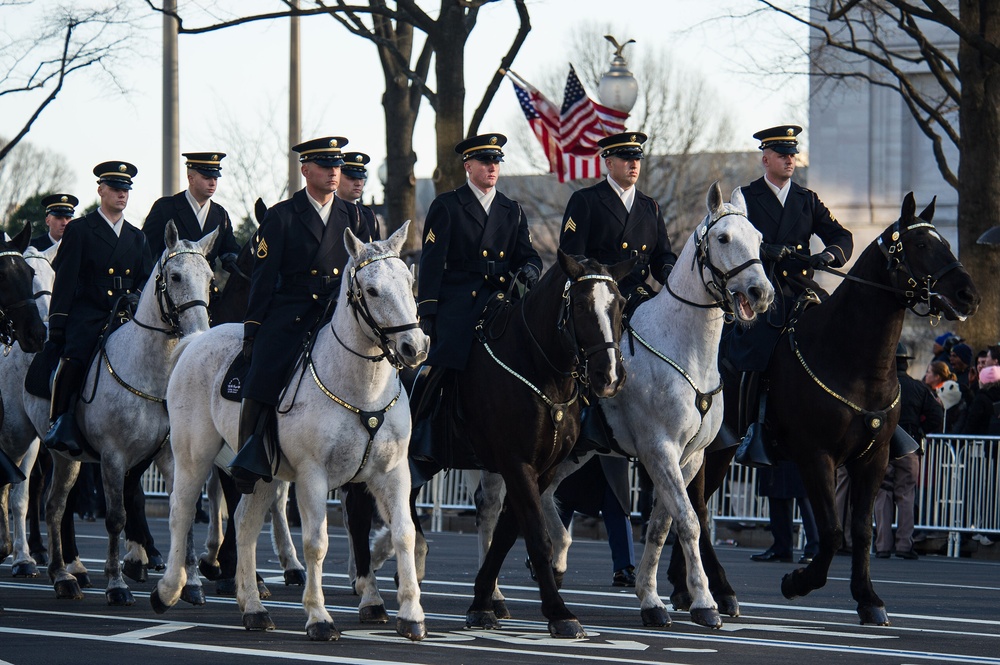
175 278
723 238
372 291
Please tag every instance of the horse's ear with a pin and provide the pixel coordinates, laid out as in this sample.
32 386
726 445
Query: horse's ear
909 207
928 214
22 239
737 199
398 239
714 198
50 253
206 243
622 270
353 245
259 210
170 235
570 266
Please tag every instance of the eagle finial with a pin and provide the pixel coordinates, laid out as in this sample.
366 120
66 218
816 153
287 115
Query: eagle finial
618 47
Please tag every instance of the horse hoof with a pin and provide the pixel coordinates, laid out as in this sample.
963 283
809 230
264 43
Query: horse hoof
225 586
411 630
158 605
500 609
655 617
788 587
728 605
373 614
135 570
119 597
24 569
156 563
262 590
211 571
681 600
485 620
323 631
193 593
706 616
68 590
83 579
258 621
567 628
873 615
296 577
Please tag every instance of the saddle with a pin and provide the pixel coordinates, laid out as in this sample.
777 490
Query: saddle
232 382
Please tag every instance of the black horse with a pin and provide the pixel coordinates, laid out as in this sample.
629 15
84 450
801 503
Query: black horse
517 404
834 399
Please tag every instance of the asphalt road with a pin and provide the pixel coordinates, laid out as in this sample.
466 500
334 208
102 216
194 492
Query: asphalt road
942 610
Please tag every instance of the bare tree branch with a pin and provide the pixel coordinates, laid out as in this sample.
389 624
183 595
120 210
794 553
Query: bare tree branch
524 28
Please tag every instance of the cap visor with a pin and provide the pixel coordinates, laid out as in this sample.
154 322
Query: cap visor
991 237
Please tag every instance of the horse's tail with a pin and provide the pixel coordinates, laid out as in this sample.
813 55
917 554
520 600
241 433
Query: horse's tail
179 349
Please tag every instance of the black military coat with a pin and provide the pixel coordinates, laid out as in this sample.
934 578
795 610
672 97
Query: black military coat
297 271
802 216
598 226
467 257
42 242
93 268
177 208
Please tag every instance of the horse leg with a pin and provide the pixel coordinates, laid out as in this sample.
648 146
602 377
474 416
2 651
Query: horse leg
38 481
64 475
209 564
866 476
554 526
359 507
490 496
71 554
22 565
395 502
281 539
113 475
179 573
672 499
138 539
6 542
249 519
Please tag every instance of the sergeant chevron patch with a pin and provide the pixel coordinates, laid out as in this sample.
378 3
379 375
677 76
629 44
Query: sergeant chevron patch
430 237
262 249
570 225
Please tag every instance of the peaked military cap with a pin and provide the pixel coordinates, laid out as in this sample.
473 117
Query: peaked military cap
60 205
780 139
627 145
354 165
485 148
116 174
903 351
209 164
324 151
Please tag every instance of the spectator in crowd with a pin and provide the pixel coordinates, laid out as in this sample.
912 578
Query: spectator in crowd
982 417
920 414
960 359
942 346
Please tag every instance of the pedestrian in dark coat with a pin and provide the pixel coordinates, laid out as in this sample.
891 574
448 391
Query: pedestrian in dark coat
102 258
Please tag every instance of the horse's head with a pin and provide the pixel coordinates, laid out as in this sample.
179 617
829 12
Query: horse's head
183 283
379 287
727 250
593 318
923 268
45 277
19 318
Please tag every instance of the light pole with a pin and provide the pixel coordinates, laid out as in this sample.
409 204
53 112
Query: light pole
618 88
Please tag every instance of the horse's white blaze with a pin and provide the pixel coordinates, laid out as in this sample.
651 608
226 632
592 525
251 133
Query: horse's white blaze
604 298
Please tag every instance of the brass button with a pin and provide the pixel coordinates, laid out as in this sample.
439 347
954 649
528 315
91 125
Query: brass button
473 294
315 297
485 253
503 279
336 271
624 245
784 273
501 254
111 271
127 271
110 293
805 272
643 273
312 272
644 248
798 247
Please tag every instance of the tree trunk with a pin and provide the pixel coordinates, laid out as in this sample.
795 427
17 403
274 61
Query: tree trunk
400 186
979 168
449 69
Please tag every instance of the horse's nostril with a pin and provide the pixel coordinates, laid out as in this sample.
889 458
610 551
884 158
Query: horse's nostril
408 350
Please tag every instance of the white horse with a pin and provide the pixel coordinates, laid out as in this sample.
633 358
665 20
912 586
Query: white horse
346 419
671 407
17 435
122 411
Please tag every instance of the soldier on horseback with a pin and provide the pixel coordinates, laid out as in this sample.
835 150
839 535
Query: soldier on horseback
296 277
59 210
102 260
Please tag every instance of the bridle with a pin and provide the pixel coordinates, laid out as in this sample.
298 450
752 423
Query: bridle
359 306
170 312
718 286
7 333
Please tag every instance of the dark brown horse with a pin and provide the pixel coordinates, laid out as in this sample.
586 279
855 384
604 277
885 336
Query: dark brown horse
834 398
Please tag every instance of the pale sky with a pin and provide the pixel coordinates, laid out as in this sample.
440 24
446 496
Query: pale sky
235 82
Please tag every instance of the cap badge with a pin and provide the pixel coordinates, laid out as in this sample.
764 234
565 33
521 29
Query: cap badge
357 158
790 132
64 199
333 143
493 140
215 158
122 168
632 138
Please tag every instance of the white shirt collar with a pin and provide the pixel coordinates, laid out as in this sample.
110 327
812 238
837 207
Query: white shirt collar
626 195
781 193
200 211
116 227
485 198
323 210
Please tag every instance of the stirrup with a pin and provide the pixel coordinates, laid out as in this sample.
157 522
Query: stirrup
753 449
63 436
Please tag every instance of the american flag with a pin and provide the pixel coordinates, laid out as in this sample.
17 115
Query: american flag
543 117
582 123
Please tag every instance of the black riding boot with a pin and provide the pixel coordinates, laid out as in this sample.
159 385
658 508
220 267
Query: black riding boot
64 435
10 474
902 444
251 462
753 450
